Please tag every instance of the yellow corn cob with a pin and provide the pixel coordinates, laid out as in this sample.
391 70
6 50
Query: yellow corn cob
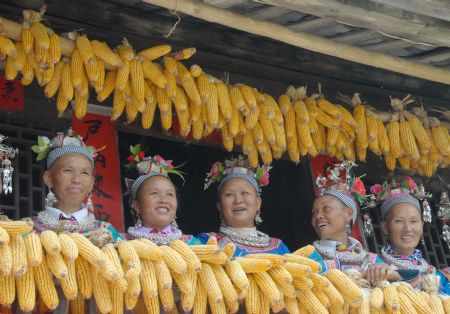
155 52
197 129
171 88
332 135
27 39
291 305
302 283
212 106
419 305
310 302
237 274
118 104
76 69
167 300
201 299
184 54
130 258
19 256
267 286
248 95
195 70
191 89
346 287
290 123
44 283
102 51
26 291
89 251
253 265
100 75
273 105
162 275
424 296
372 133
68 247
69 283
227 141
40 35
405 305
280 136
393 133
126 51
137 79
171 65
301 112
237 100
252 300
66 88
252 119
322 297
258 135
408 141
10 70
325 119
52 86
285 104
174 260
20 59
84 279
423 140
56 265
101 293
347 117
148 280
292 148
440 137
34 249
391 301
275 306
275 259
329 108
305 251
268 130
7 47
132 294
41 56
383 139
148 115
229 292
265 304
147 305
208 280
152 72
8 290
28 73
224 99
4 237
122 77
361 128
50 242
54 48
436 305
202 83
187 254
84 47
234 123
446 304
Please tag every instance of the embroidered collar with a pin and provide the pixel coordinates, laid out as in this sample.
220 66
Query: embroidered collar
55 213
414 261
246 236
353 254
167 230
160 238
415 257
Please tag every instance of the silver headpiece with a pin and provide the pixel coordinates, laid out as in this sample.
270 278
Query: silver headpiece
6 169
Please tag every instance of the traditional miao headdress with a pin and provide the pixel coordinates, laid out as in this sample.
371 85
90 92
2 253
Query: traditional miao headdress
393 192
238 168
61 145
147 167
338 181
6 169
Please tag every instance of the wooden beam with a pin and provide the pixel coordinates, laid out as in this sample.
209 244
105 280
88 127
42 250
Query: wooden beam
436 9
212 14
312 24
268 13
225 3
413 29
389 45
434 57
356 37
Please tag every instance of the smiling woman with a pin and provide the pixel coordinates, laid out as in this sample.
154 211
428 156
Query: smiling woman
154 200
239 204
402 226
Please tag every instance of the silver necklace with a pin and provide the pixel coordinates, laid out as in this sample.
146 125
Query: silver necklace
259 239
158 238
44 221
404 264
346 257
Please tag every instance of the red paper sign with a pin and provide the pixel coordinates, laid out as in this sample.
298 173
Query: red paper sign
11 95
318 165
99 131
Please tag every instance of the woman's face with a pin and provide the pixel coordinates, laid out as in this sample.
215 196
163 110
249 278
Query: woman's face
330 216
156 202
71 179
404 227
238 203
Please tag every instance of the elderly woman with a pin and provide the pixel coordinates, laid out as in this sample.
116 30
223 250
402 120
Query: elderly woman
333 214
70 179
154 200
239 205
402 225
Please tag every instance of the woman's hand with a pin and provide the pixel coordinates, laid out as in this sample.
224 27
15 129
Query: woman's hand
378 272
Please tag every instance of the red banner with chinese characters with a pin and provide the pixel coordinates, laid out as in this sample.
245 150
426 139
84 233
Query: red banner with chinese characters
11 95
99 131
318 165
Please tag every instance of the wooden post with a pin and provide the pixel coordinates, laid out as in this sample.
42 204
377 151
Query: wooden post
271 30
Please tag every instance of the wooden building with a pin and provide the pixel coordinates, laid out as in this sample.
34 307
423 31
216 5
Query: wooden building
377 48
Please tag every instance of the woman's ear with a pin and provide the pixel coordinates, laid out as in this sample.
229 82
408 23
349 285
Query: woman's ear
259 202
349 217
47 179
384 227
219 208
135 206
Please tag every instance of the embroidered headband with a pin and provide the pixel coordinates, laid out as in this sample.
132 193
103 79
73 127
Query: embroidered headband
147 167
61 145
393 193
339 182
238 168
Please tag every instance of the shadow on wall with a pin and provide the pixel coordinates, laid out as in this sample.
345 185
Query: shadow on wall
286 207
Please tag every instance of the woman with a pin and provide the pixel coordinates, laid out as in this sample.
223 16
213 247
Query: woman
239 205
333 215
402 225
154 200
70 179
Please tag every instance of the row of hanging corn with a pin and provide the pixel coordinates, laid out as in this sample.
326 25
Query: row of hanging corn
141 276
263 126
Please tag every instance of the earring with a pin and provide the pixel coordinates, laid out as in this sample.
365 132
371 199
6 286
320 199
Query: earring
50 199
89 204
138 221
258 219
222 222
348 229
174 224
